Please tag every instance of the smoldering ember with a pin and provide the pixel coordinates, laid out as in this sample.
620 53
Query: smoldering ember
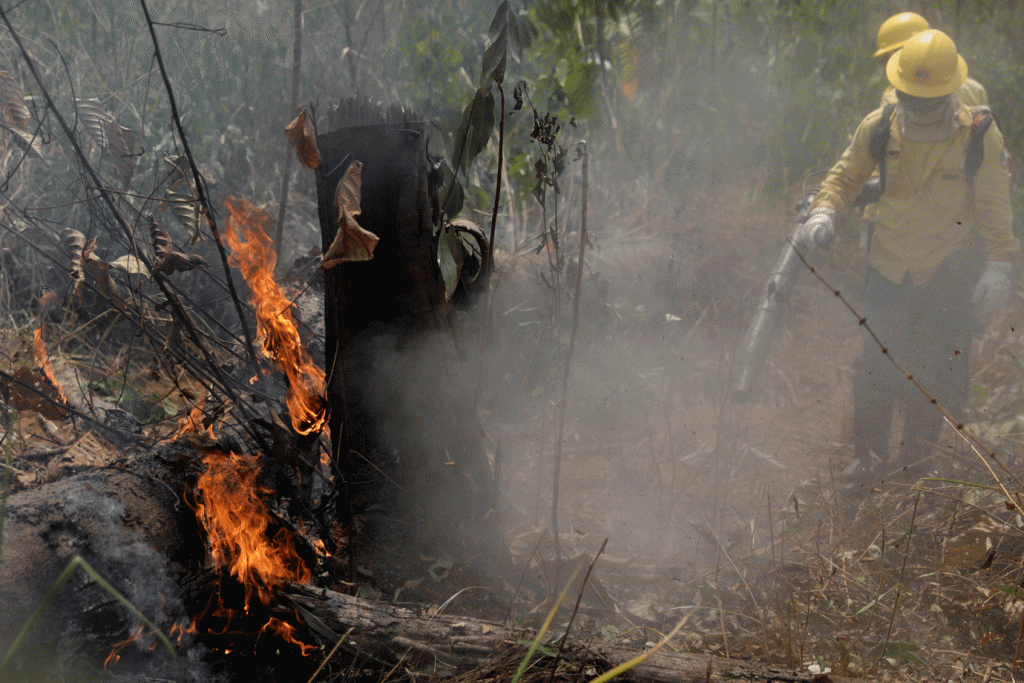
510 341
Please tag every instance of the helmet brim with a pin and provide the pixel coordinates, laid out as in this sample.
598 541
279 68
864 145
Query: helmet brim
892 72
889 49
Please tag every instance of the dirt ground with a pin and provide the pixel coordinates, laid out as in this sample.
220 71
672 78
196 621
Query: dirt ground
728 516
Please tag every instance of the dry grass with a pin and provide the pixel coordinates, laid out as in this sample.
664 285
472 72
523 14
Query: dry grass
729 515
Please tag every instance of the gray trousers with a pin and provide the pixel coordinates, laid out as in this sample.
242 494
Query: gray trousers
927 329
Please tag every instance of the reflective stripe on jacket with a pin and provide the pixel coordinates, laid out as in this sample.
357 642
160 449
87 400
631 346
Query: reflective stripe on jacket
926 213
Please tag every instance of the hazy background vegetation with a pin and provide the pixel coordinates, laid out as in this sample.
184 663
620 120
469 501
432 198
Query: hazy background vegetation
672 95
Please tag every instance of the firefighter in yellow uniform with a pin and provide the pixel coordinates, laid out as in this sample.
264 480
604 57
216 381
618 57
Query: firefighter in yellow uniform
942 250
892 35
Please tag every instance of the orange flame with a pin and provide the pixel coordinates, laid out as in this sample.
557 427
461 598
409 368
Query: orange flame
136 637
237 523
193 422
286 632
179 632
42 359
275 326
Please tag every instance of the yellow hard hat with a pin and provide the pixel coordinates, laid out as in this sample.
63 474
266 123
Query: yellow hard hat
927 65
897 30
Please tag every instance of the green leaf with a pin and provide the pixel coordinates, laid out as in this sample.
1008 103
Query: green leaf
446 250
474 131
871 604
495 58
1015 591
169 406
896 649
450 192
580 87
543 649
503 39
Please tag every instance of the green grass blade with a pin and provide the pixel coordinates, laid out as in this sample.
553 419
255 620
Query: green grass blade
639 659
544 628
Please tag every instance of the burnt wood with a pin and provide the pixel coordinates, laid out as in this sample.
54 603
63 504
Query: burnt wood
421 644
403 423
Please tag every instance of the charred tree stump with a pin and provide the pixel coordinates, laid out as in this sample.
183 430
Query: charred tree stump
403 424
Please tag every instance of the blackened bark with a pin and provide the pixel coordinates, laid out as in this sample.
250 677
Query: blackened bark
403 423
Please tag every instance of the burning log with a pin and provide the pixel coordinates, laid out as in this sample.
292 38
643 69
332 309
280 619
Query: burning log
135 523
183 532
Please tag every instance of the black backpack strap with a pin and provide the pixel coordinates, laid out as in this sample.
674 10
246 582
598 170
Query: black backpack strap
980 121
880 141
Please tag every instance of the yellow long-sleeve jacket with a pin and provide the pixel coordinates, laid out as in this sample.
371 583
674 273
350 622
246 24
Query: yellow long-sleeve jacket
971 93
926 212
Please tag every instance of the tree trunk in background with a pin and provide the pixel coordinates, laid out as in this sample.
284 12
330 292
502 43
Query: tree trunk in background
403 423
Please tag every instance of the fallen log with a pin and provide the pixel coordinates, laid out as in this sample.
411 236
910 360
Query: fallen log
128 522
83 556
429 645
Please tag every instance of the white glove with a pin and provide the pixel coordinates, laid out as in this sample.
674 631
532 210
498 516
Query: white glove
993 288
817 231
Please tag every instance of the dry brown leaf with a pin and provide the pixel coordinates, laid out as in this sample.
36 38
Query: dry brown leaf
74 242
349 193
100 272
93 117
122 148
14 102
303 138
89 251
162 244
181 261
175 167
25 141
352 242
40 395
90 451
91 263
165 259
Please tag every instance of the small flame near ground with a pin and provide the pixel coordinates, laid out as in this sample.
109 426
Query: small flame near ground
253 255
194 422
42 359
140 637
244 540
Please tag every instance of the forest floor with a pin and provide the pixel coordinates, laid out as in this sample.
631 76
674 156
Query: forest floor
724 516
728 516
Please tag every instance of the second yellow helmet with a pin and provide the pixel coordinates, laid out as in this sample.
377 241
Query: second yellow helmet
897 30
